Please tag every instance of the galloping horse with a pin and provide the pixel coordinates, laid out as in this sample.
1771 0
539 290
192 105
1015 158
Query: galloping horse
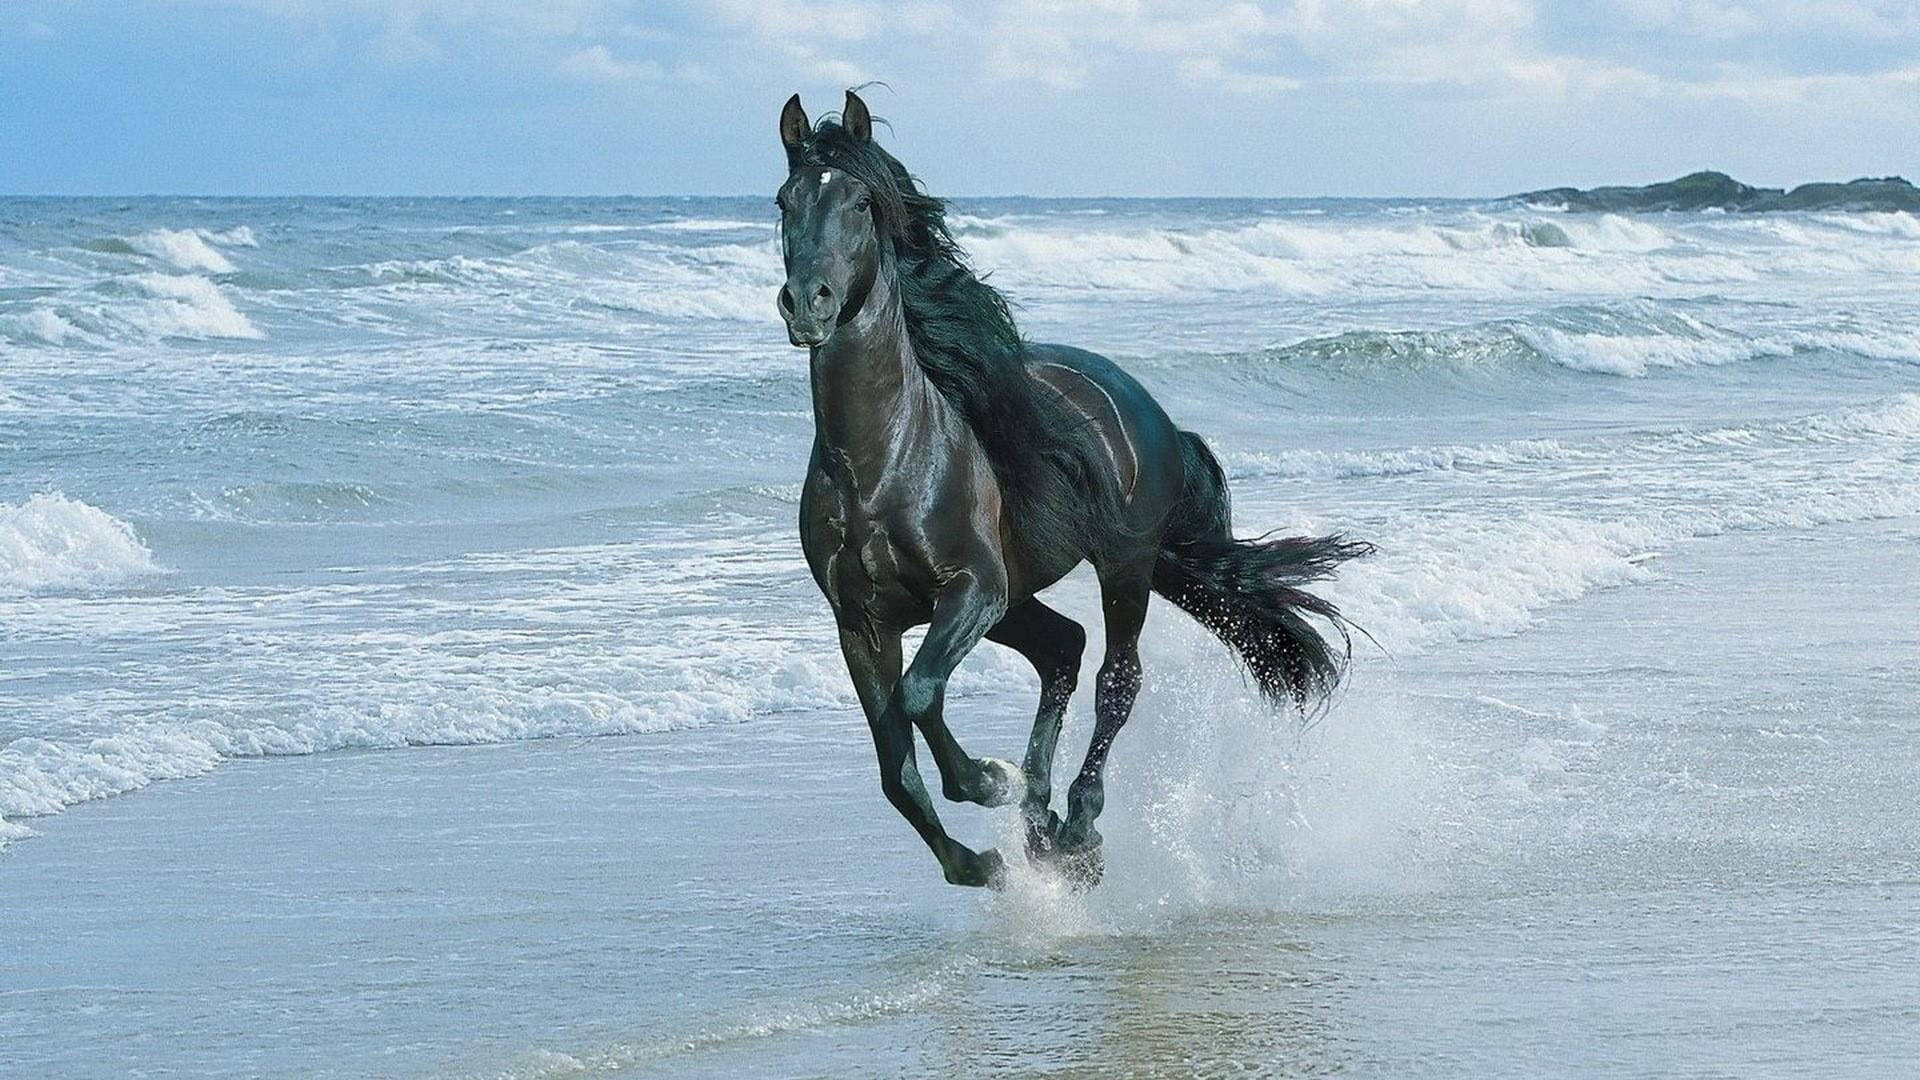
958 469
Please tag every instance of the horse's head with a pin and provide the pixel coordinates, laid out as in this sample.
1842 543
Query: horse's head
827 229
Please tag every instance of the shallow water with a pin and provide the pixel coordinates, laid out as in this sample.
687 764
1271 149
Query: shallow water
288 487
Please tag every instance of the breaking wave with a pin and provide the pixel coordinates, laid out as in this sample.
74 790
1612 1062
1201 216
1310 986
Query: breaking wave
1630 340
53 542
140 307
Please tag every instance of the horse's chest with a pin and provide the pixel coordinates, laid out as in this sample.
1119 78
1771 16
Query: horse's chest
860 565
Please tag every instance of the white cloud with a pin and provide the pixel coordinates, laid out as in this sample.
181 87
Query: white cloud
596 63
1209 71
1059 43
795 21
1491 48
1743 18
816 36
1244 47
1254 48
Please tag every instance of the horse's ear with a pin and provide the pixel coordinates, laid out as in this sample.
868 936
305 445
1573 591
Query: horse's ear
856 119
795 129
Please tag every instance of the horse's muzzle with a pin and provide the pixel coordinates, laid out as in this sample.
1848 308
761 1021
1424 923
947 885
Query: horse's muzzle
811 326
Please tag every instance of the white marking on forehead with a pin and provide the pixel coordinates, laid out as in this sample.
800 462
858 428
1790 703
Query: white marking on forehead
825 175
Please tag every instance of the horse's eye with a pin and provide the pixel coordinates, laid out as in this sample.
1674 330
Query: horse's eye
863 203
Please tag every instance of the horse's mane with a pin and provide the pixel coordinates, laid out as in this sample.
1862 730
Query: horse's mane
1047 462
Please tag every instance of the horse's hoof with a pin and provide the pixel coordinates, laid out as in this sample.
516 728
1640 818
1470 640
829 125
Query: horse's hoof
1002 782
1043 826
1080 869
1077 836
984 870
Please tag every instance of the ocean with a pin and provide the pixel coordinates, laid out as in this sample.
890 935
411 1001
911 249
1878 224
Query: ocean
408 667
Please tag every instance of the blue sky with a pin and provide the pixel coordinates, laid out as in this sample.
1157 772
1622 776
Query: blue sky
1040 97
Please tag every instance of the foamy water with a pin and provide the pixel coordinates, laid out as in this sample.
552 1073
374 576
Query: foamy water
283 478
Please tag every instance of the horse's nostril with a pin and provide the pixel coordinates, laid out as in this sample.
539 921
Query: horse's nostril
823 293
786 299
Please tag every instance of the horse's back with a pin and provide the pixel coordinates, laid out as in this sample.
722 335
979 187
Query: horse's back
1136 432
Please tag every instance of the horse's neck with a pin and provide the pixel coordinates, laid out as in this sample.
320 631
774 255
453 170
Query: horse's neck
869 394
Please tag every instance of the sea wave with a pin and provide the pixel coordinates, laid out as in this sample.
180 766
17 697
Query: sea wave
186 249
1487 564
1469 577
170 305
1318 256
54 542
485 648
1631 339
1477 252
730 281
138 308
1897 418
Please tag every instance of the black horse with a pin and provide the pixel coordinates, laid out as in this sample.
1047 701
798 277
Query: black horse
957 470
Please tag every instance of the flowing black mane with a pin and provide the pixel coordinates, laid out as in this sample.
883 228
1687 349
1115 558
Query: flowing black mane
965 340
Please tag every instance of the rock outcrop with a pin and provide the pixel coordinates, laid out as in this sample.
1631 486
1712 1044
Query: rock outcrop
1718 191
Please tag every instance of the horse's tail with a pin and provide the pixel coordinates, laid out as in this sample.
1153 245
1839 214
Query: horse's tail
1249 592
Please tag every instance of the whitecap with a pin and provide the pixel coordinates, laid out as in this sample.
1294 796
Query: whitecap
183 305
40 324
53 542
186 249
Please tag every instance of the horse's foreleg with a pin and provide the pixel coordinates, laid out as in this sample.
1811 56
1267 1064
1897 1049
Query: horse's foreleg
1053 644
967 608
1124 600
874 664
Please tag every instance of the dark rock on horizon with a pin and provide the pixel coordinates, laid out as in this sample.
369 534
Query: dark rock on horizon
1718 191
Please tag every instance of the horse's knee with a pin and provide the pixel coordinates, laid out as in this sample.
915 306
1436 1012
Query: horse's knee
920 694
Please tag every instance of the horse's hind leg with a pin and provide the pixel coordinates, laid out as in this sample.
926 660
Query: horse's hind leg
873 662
1053 644
1124 592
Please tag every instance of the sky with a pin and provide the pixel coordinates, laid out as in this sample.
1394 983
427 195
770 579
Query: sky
982 97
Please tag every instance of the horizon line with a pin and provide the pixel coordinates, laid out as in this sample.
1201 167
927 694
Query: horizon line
656 195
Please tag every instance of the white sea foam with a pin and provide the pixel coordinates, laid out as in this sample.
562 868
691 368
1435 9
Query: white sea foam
53 542
41 324
1898 418
1398 462
699 225
1317 256
238 236
138 307
1633 354
180 305
719 281
1626 339
186 249
1489 253
1439 578
1483 569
